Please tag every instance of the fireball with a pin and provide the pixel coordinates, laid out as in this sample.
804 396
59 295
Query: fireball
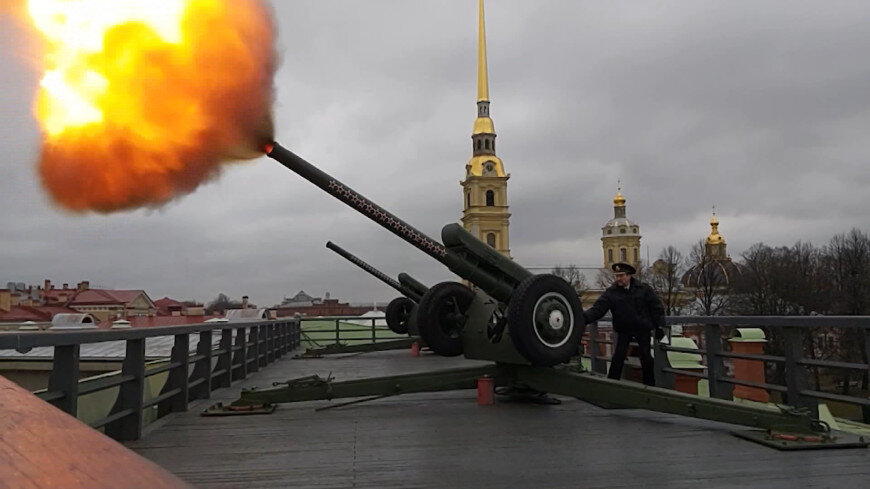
142 101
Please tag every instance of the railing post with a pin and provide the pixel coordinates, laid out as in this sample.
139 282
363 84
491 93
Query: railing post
796 374
253 355
598 364
263 346
337 333
270 343
240 359
202 367
279 340
374 333
285 327
65 377
865 410
662 362
130 394
297 334
715 365
177 378
225 358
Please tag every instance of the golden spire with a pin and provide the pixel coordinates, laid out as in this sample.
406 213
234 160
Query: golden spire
482 82
483 161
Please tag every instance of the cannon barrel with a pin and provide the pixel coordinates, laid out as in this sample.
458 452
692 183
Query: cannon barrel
464 255
403 289
412 283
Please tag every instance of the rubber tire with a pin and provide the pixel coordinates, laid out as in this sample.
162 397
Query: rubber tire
433 321
521 320
398 313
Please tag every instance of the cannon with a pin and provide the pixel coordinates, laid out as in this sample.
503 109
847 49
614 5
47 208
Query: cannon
401 313
506 313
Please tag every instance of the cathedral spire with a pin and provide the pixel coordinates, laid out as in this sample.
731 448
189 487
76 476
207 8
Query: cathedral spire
482 82
483 160
485 207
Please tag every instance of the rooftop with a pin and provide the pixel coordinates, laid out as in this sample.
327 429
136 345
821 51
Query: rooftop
447 440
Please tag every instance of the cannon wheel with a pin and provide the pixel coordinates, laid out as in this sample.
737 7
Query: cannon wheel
546 320
398 313
441 317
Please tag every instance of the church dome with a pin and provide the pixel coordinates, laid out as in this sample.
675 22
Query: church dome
619 199
621 225
715 273
714 237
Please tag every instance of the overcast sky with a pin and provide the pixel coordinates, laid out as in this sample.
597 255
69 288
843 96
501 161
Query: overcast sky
759 108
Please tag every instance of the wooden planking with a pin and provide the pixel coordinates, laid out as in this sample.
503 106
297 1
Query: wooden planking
43 447
446 440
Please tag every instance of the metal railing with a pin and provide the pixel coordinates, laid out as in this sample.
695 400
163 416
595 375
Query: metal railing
342 330
796 389
243 347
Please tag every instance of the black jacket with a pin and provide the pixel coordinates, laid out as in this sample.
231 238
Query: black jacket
635 309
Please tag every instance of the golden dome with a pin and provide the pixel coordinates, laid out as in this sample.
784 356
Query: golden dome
477 165
483 125
619 199
715 237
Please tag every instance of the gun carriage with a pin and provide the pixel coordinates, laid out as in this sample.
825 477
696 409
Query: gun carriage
510 315
401 313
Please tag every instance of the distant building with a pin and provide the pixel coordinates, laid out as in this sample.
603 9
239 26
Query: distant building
111 304
715 270
305 305
620 237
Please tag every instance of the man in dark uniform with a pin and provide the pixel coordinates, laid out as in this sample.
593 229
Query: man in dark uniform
636 311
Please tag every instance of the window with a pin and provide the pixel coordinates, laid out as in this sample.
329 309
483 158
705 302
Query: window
478 144
622 230
610 255
490 198
634 230
609 231
622 254
636 255
486 143
468 199
490 239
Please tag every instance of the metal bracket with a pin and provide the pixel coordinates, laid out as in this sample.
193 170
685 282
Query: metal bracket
334 349
797 441
219 409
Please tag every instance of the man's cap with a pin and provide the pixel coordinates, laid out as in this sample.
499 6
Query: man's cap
623 267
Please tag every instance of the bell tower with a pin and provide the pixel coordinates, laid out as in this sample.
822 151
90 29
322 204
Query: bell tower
715 245
620 237
484 190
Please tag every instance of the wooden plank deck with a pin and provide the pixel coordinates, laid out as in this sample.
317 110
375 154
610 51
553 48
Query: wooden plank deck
444 440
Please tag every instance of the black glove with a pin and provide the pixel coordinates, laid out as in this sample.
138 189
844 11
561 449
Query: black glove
660 333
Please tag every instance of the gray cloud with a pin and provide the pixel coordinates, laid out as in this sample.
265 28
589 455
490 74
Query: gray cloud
758 108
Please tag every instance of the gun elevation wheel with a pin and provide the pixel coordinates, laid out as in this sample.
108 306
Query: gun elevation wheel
441 317
546 320
398 314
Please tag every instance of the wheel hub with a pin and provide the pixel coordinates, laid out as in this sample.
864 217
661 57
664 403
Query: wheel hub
557 319
553 319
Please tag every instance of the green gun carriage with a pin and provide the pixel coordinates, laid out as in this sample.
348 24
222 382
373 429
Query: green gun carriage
401 313
506 313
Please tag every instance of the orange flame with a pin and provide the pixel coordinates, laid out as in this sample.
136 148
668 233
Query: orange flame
142 101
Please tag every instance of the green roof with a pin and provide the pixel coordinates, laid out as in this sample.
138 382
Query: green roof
684 360
754 335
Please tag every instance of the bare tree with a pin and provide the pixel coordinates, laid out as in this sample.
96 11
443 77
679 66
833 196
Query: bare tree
221 303
711 280
848 256
665 275
573 276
